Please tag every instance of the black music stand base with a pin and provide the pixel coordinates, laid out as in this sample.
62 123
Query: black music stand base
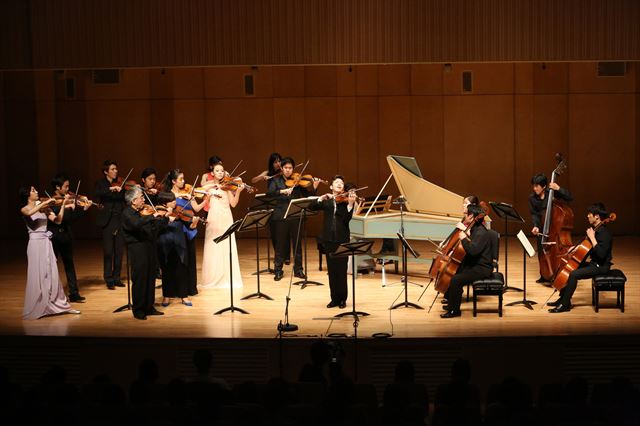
352 248
233 228
231 309
261 222
406 247
527 303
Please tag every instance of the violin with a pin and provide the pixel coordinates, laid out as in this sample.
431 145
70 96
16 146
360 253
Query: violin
343 197
303 181
83 201
556 233
148 210
186 215
125 185
445 265
576 256
229 183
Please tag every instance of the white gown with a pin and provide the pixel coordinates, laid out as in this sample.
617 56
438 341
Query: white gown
215 260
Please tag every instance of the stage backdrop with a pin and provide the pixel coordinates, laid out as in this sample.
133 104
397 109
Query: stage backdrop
488 141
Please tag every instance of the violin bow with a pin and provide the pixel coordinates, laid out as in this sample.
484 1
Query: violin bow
234 169
298 181
150 202
75 196
127 176
280 172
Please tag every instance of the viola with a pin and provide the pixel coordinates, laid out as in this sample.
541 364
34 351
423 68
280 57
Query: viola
303 181
229 183
576 256
557 227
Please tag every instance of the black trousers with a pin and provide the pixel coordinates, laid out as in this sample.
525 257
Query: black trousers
588 270
273 225
462 278
286 235
337 268
63 248
113 248
142 257
192 288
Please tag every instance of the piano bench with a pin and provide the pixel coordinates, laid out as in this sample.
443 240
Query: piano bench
614 280
492 286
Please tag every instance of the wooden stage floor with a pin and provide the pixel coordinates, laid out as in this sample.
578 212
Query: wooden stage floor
308 310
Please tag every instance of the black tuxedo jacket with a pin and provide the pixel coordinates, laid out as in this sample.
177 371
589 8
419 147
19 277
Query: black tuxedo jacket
335 227
113 202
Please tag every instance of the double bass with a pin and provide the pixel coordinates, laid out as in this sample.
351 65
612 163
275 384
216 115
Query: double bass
576 256
557 226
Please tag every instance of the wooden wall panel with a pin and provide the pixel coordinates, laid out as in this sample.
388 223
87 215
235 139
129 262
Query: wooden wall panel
525 149
479 141
46 124
394 137
369 155
486 79
320 81
584 79
289 128
162 121
288 82
426 79
321 137
601 141
347 140
5 189
550 134
189 137
162 33
427 136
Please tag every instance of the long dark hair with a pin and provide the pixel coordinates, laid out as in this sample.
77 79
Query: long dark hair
273 157
214 160
171 176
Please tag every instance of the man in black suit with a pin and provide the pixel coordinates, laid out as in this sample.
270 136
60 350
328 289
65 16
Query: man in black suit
478 261
109 219
335 230
285 232
139 233
61 238
600 256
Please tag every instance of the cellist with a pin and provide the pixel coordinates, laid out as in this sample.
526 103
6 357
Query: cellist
600 254
538 204
477 263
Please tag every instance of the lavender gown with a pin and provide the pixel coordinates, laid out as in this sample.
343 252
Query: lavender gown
44 294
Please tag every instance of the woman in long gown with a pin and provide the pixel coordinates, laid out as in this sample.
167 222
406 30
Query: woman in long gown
215 260
44 294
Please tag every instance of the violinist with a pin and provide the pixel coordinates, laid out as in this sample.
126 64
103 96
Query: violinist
284 233
273 167
477 263
538 205
338 208
174 182
139 233
43 294
149 184
215 259
600 257
109 192
61 237
214 160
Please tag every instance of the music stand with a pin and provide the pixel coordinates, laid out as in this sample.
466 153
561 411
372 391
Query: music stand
527 249
299 208
401 201
346 250
509 214
264 202
406 247
230 230
256 219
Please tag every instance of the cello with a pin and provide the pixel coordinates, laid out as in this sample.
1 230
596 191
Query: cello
445 265
557 226
576 256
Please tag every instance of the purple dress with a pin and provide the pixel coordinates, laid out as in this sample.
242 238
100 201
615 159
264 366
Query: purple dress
44 294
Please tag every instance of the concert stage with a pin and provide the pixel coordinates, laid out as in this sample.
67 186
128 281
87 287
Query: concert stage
530 343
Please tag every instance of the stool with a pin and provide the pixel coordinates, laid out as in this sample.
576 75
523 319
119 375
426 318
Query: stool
614 280
492 286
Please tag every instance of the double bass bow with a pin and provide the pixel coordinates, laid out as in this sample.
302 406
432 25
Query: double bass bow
557 227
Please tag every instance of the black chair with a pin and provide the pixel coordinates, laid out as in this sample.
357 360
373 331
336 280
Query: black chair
614 280
494 285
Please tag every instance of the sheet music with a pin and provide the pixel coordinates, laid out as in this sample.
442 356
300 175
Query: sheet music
526 244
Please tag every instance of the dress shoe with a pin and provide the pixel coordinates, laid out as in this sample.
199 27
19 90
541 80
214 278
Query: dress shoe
451 314
118 284
111 286
555 303
444 301
155 312
560 308
287 262
445 307
187 303
74 311
332 304
140 316
342 305
301 275
76 298
165 304
278 275
542 280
